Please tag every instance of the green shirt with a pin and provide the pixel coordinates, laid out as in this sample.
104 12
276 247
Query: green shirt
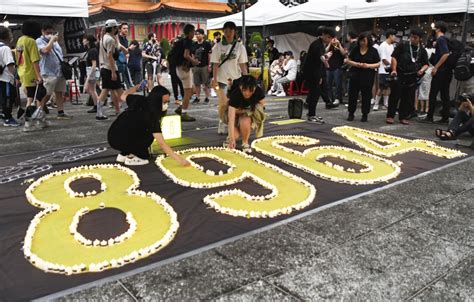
27 53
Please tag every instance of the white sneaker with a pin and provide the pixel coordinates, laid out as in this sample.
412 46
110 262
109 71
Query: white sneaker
372 101
385 104
41 124
121 158
213 93
270 92
246 148
222 128
29 126
336 102
376 107
132 160
281 94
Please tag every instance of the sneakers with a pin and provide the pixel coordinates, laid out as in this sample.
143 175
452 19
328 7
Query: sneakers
101 118
196 100
315 119
331 106
29 126
281 94
213 93
222 128
92 110
185 117
121 158
372 101
246 148
376 107
11 122
179 110
132 160
336 102
63 116
364 118
270 92
206 100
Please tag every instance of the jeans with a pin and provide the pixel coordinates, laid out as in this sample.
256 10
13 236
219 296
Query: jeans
7 98
440 84
334 77
462 122
278 84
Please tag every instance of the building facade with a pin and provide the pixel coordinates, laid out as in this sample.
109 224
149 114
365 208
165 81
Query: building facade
166 18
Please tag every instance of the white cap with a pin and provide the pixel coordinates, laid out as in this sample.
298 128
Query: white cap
111 23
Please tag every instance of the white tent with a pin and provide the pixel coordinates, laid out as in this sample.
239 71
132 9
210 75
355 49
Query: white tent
256 15
50 8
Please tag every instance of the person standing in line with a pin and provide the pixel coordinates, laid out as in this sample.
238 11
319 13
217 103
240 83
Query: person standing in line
441 75
7 78
229 62
202 52
409 63
108 54
178 90
50 66
152 54
125 48
135 63
314 66
184 62
363 59
385 53
334 71
92 69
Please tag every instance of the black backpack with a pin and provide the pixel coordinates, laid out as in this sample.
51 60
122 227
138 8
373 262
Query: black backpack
295 108
176 54
456 50
463 69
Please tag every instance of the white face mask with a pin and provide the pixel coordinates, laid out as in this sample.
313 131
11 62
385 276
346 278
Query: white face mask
48 37
164 107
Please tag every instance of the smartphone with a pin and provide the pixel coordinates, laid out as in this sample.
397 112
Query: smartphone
142 85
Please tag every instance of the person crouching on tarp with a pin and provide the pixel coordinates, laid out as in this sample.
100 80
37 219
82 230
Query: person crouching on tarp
245 112
133 132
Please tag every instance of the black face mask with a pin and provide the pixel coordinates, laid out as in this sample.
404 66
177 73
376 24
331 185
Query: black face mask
218 40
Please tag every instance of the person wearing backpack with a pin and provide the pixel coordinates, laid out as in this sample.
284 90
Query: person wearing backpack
442 75
7 78
229 59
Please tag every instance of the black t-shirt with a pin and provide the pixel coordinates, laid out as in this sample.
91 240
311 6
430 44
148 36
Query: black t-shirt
123 41
236 99
182 45
337 59
273 55
201 52
441 49
405 57
92 55
370 57
151 112
312 69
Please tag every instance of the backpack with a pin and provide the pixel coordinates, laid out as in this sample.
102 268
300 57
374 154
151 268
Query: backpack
295 108
176 54
462 70
456 49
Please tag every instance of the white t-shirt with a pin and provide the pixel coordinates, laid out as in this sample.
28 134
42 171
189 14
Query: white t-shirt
108 44
385 52
292 69
6 58
231 68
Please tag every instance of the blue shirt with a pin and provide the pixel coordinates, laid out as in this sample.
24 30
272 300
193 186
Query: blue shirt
49 63
441 49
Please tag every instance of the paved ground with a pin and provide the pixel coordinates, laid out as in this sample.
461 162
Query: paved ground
412 241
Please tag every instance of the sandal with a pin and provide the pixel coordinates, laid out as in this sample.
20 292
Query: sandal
448 135
439 132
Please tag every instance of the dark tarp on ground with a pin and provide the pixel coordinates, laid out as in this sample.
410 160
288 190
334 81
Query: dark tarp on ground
199 226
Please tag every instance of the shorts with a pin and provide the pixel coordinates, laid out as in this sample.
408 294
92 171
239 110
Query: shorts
54 84
92 77
149 68
107 82
185 76
201 75
40 94
383 83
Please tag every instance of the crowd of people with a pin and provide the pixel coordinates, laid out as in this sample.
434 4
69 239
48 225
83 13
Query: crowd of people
404 77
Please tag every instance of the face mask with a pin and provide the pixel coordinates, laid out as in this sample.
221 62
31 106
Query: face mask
48 36
218 40
164 107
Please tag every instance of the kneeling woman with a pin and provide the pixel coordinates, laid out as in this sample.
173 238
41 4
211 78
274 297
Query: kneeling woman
245 111
133 132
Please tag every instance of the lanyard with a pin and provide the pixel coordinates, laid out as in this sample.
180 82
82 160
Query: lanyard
413 59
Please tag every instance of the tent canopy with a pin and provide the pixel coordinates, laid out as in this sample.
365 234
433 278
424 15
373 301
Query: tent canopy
266 12
51 8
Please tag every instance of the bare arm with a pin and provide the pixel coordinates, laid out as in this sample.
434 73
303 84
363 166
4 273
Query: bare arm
189 57
231 118
37 71
243 68
127 92
49 46
164 146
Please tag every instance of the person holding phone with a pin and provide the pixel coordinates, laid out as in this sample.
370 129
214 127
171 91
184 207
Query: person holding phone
133 132
462 122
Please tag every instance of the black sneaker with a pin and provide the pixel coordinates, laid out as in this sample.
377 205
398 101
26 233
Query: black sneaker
101 118
196 100
364 118
185 117
350 118
427 120
20 113
92 110
179 110
206 100
331 106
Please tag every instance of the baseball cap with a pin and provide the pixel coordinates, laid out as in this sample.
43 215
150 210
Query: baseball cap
111 23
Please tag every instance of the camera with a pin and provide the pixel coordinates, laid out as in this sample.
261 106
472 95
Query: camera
464 98
392 78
